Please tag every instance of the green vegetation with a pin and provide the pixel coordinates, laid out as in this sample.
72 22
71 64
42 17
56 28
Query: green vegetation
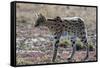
26 16
79 45
91 47
65 42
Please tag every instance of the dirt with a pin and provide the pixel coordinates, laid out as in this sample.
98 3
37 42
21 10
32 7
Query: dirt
41 58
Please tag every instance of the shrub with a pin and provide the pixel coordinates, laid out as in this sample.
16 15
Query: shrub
65 43
91 48
79 45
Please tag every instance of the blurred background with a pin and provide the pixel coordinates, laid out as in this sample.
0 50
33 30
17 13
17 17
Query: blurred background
35 46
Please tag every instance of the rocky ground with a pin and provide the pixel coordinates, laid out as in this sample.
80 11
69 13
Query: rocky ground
34 45
40 57
38 49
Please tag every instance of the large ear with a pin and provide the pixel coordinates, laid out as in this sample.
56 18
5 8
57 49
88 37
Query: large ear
40 15
36 14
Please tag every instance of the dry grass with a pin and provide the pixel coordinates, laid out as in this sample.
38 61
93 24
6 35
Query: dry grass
26 16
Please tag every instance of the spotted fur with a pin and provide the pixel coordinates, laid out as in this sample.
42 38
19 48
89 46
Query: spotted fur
71 25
